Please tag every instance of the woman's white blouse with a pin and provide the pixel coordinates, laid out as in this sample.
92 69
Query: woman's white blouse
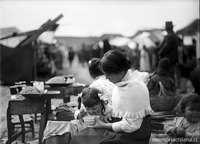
130 101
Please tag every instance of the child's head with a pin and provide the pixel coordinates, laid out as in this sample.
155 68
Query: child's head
190 107
94 67
92 102
163 66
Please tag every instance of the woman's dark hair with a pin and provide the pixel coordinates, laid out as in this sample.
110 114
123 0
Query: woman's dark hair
114 61
190 99
94 67
90 98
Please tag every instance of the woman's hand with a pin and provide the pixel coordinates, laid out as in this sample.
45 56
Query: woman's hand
99 123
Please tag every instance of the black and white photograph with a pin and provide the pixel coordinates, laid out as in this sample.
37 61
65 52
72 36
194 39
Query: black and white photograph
99 72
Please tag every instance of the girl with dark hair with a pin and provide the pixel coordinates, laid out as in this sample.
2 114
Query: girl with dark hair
90 102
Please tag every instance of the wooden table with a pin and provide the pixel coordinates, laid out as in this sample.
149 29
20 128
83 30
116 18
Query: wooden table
39 103
43 106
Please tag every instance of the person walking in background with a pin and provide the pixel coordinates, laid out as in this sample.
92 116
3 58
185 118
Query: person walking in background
145 65
70 55
169 46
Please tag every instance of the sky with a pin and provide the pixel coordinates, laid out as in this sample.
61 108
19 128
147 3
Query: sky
97 17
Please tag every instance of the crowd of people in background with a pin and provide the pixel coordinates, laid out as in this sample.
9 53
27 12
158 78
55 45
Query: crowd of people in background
182 57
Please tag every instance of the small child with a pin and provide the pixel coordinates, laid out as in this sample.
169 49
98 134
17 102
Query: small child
91 102
99 79
186 129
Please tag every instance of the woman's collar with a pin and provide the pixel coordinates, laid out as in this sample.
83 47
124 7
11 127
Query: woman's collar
125 78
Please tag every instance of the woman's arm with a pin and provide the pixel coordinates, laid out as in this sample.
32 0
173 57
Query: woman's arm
125 125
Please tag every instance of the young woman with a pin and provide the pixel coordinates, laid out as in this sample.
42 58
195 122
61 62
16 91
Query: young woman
130 106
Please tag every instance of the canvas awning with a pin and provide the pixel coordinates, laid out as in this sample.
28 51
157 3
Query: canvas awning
20 64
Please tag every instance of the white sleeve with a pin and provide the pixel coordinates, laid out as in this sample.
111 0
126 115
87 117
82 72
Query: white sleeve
127 125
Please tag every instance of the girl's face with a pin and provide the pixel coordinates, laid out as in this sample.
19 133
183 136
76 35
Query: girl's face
115 77
192 113
95 110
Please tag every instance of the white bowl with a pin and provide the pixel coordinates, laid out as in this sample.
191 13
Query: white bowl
90 120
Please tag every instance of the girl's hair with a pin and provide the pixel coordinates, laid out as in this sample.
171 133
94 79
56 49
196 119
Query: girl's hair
114 61
190 99
94 67
90 98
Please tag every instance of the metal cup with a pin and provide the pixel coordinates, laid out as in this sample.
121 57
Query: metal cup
14 90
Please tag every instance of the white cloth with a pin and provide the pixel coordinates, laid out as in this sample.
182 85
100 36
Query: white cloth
54 128
130 101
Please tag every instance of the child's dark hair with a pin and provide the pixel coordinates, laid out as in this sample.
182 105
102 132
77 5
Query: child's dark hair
190 99
90 98
114 61
94 67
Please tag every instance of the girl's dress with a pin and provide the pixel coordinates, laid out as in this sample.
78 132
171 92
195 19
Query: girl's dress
104 86
192 134
131 108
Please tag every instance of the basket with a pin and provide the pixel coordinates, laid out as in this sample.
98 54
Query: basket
164 101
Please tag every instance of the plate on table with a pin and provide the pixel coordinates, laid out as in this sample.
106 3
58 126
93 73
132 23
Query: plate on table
48 94
58 84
